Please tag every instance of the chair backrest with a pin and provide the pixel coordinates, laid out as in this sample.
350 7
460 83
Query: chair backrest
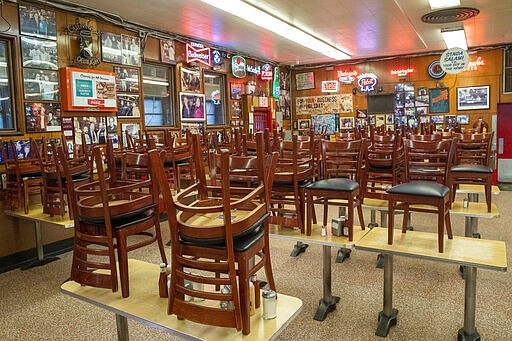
473 148
428 160
296 160
426 137
344 159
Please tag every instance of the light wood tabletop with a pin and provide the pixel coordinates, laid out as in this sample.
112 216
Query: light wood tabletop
144 305
482 253
35 213
477 189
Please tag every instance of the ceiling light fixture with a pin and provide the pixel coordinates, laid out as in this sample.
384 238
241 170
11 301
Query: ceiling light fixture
435 4
454 38
271 23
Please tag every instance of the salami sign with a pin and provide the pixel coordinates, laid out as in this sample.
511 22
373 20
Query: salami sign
328 104
454 60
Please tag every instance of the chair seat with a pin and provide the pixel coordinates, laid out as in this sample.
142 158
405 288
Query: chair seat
428 189
35 174
471 168
130 218
239 244
335 184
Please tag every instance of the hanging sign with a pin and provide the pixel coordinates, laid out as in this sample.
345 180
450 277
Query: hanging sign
198 53
454 60
238 66
367 82
401 72
275 85
330 86
266 72
254 69
326 104
473 65
347 77
435 70
216 57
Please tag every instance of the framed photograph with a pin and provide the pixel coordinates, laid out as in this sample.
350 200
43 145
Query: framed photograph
371 119
111 48
132 128
39 53
130 50
421 111
41 85
412 121
127 79
408 87
304 124
422 99
380 120
390 127
128 106
236 109
361 113
115 139
94 129
390 119
424 119
409 99
347 123
305 80
237 90
190 79
167 51
37 22
463 119
42 117
111 124
439 100
437 119
473 97
193 127
192 107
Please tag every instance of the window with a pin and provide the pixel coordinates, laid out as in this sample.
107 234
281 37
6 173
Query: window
507 70
158 102
7 112
215 90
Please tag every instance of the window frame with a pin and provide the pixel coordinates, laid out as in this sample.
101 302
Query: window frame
16 78
171 68
506 51
225 102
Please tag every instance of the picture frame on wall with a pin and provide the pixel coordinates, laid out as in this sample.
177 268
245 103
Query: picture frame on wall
127 79
192 107
439 99
111 48
347 123
473 97
42 117
304 123
236 109
167 52
39 53
390 119
130 50
132 128
190 79
41 85
421 111
128 106
37 22
94 129
463 119
112 124
305 80
437 119
236 90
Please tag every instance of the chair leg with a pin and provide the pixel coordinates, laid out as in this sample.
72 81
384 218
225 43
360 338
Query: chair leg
350 220
310 208
406 219
159 240
122 256
326 211
448 222
488 195
243 281
391 222
440 227
360 214
268 261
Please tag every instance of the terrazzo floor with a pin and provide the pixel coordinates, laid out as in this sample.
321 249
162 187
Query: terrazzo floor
429 295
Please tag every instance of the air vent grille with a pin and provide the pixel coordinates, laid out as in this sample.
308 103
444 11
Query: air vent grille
449 15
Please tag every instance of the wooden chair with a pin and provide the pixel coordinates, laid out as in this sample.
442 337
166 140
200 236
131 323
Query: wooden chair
209 248
294 171
427 164
178 162
23 173
343 178
106 213
471 166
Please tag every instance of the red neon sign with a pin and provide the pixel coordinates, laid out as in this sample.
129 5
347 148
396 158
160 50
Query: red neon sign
198 53
401 72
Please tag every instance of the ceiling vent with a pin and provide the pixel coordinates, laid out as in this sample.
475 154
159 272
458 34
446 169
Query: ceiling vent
449 15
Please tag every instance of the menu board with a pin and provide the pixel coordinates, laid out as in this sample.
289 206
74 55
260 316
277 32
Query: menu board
88 90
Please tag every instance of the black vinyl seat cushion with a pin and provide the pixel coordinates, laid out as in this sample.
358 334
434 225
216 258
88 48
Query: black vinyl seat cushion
472 168
421 188
180 162
241 242
335 184
35 174
120 221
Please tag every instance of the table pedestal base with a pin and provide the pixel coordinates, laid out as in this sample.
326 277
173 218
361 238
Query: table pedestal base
343 254
39 262
298 249
386 322
325 307
462 336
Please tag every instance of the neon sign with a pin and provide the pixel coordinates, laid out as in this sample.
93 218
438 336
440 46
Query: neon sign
401 72
216 55
473 65
267 73
367 82
198 53
254 69
330 86
238 66
347 77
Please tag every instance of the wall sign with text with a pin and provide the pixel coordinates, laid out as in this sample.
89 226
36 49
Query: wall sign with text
198 53
330 86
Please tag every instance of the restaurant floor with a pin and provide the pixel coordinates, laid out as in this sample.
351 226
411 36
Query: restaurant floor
429 295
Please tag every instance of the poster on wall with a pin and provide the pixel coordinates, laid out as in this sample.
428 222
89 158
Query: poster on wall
41 85
130 50
93 128
128 106
38 22
89 90
39 53
127 79
473 97
111 48
305 80
193 127
329 122
190 79
133 129
167 51
237 90
328 104
42 117
192 107
439 100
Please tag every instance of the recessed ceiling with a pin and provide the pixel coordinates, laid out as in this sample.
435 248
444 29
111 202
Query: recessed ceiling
361 28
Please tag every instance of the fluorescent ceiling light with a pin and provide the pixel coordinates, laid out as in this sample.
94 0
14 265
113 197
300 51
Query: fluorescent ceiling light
455 38
271 23
436 4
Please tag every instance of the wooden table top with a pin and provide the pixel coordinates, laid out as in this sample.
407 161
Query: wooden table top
483 253
35 213
144 305
287 233
477 189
